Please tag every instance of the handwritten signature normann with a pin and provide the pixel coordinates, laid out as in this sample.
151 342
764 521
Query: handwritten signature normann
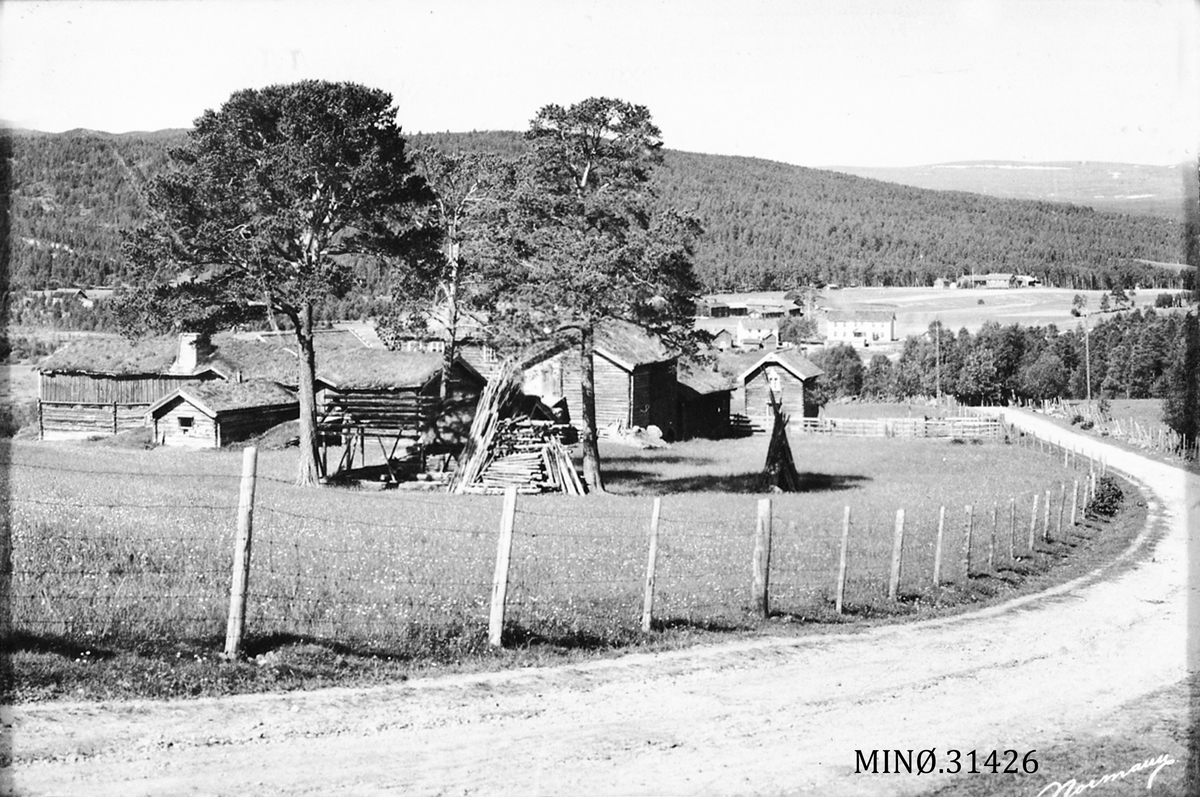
1071 787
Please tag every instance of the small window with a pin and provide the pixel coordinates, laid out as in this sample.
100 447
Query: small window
185 423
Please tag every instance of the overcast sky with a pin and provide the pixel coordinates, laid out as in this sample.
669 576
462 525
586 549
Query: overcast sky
811 82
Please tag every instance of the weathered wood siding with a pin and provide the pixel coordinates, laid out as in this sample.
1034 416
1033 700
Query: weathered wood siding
614 393
66 421
791 389
85 389
663 390
185 425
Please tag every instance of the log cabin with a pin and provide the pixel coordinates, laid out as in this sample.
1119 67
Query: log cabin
635 377
784 376
393 395
216 413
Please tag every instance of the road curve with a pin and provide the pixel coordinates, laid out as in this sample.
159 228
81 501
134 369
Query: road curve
752 717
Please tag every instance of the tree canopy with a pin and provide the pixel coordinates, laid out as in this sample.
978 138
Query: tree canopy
267 204
587 241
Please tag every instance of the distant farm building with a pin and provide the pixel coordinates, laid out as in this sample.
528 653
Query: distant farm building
718 306
942 283
997 281
757 334
860 328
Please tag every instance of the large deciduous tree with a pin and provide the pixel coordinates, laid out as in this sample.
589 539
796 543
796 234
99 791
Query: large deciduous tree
268 202
436 295
588 243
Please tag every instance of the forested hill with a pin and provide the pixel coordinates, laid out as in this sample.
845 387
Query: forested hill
769 225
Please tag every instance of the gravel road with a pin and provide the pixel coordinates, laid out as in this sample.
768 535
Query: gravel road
769 716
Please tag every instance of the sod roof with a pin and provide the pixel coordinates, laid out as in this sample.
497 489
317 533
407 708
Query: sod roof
215 397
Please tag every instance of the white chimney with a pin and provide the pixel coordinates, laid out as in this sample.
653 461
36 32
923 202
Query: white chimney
189 354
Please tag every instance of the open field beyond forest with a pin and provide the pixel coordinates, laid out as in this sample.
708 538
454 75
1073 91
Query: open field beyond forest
121 553
917 308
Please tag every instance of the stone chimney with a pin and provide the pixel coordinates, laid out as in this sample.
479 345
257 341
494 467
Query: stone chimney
189 353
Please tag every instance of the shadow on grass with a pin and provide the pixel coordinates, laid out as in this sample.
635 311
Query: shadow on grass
622 479
58 646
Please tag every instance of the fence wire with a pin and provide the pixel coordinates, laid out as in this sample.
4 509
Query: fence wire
141 556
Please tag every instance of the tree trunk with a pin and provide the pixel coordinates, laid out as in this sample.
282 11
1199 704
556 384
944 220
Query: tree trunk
587 380
309 470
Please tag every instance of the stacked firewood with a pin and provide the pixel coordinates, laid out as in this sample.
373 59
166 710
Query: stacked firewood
511 451
528 455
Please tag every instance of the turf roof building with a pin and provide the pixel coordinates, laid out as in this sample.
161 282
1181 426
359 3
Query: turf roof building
635 377
216 413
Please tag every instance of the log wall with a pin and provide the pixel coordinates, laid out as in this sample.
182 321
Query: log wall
85 389
71 421
170 428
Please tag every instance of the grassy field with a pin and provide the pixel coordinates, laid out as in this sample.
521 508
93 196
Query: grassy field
917 308
124 556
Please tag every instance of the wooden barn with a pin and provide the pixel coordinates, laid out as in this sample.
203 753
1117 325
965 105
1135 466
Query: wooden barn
394 396
784 376
635 377
101 386
704 396
216 413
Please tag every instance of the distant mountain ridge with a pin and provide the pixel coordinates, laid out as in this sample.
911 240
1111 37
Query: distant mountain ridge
768 225
1108 187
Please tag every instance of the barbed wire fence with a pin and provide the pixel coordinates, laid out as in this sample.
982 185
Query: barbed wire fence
417 574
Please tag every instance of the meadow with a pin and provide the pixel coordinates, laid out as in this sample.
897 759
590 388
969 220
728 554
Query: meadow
134 548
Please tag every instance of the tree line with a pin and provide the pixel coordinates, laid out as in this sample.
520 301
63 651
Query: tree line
1141 354
767 225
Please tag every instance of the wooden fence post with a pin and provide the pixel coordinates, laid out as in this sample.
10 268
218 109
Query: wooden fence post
500 578
651 565
235 628
1075 504
937 550
992 539
1033 522
967 543
1012 529
1062 503
1046 519
762 558
839 597
897 549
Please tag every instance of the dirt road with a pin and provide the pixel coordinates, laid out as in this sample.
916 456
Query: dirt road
777 716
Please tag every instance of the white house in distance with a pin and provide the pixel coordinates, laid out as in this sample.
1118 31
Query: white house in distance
860 327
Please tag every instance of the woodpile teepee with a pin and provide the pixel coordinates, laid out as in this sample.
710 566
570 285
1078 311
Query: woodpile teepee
505 450
780 471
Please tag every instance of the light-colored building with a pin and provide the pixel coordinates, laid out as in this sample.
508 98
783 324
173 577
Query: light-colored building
861 328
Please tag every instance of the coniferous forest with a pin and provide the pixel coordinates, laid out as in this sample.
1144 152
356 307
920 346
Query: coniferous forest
767 225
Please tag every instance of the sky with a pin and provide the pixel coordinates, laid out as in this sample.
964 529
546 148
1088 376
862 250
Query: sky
809 82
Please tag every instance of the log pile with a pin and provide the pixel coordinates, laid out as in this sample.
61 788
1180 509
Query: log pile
505 451
528 455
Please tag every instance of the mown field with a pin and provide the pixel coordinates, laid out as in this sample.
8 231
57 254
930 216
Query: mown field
123 553
917 308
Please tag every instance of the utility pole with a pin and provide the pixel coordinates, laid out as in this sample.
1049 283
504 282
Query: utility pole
1087 356
938 360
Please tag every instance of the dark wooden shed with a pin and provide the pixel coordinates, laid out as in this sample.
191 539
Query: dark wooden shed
704 397
635 377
